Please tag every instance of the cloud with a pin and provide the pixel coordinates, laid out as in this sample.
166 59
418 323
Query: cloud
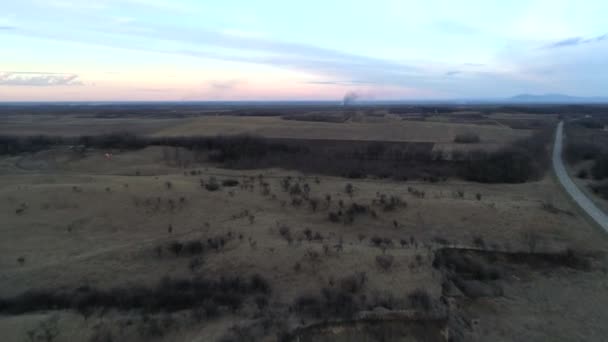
324 64
338 82
155 90
577 41
455 27
37 79
223 85
227 46
7 28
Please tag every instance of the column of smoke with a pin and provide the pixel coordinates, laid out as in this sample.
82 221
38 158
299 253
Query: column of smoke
349 98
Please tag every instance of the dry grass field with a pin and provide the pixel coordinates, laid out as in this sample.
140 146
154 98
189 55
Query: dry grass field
73 220
385 129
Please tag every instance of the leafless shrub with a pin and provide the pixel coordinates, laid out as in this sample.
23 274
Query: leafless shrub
479 242
102 333
176 247
285 233
46 331
317 237
194 247
230 182
385 261
376 240
195 263
361 237
349 189
420 299
333 217
314 204
212 184
441 241
531 240
467 138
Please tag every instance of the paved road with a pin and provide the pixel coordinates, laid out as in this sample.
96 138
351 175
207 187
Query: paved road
583 201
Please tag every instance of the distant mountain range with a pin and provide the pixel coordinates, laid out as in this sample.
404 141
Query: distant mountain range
555 98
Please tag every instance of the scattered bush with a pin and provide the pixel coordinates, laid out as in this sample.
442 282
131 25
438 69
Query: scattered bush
176 247
385 261
168 295
333 302
212 184
376 240
441 241
601 190
467 266
478 242
349 189
195 263
467 138
334 217
230 182
420 299
285 232
194 247
582 174
46 331
599 170
576 152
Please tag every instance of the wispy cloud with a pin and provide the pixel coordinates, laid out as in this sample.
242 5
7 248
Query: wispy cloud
7 28
577 41
453 73
37 79
455 27
349 83
155 90
223 85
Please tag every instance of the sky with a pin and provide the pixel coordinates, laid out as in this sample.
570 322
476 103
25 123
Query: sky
243 50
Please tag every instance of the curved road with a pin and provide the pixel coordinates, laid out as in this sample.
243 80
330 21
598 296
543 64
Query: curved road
577 195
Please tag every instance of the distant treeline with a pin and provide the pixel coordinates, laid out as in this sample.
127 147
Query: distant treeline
522 161
187 109
570 110
317 117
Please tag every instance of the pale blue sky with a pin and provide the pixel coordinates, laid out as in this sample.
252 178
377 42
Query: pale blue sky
288 50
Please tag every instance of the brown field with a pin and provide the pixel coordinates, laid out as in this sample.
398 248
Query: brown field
70 220
385 129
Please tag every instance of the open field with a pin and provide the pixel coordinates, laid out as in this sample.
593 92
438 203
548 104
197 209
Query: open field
387 129
75 125
317 257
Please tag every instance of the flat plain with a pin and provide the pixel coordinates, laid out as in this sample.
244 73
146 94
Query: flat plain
339 258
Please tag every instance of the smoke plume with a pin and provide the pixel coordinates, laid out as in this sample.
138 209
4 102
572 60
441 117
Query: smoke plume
350 98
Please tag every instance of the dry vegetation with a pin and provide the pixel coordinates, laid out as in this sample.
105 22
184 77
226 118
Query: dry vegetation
139 238
586 153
